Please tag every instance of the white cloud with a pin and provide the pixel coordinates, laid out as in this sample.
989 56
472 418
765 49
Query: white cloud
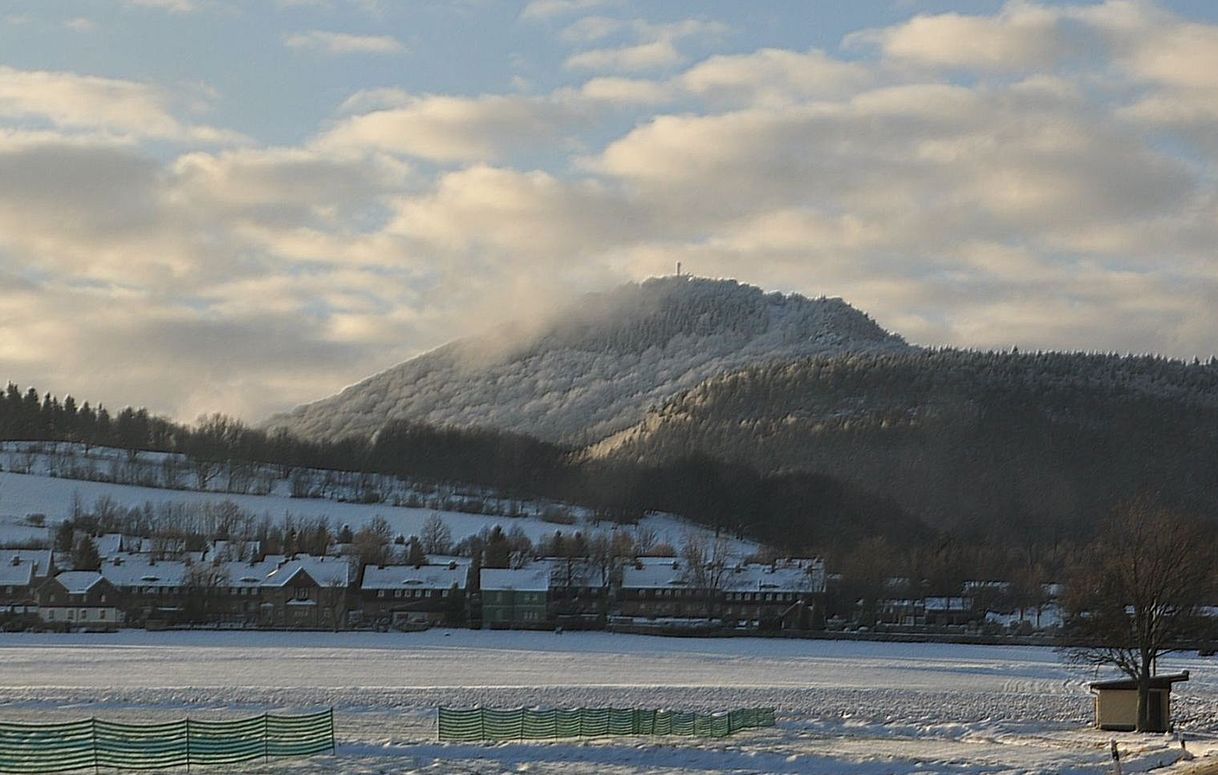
72 101
339 43
545 9
655 46
173 6
774 76
452 129
1021 36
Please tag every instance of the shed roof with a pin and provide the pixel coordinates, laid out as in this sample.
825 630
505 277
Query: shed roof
1156 682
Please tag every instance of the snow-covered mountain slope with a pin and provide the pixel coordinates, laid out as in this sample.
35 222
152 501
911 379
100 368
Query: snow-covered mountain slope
597 367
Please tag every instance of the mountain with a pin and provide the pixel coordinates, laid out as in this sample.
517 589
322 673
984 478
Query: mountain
595 368
978 441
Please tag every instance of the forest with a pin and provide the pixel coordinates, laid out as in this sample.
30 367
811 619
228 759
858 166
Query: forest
795 512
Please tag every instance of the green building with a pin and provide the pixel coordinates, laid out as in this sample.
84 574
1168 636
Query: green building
515 597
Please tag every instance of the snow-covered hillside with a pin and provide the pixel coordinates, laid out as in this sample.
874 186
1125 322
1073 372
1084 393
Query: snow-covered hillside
597 367
37 479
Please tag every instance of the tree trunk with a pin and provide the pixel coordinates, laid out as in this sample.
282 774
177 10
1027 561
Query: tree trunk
1144 699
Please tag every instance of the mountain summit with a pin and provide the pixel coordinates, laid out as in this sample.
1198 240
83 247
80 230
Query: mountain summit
599 365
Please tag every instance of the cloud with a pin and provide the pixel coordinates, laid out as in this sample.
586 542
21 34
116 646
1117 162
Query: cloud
453 129
173 6
72 101
774 76
656 45
340 43
545 9
1021 36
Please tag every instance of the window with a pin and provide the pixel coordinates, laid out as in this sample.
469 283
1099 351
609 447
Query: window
101 614
380 593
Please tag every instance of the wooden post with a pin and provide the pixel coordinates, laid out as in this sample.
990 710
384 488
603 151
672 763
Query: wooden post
333 744
188 744
266 737
93 737
1116 759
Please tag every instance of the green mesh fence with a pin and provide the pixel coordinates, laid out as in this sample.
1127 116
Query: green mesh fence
93 744
466 725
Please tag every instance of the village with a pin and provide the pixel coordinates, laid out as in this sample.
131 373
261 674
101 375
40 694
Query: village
156 584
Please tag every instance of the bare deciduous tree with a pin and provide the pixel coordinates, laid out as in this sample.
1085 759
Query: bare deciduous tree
435 535
1133 594
706 563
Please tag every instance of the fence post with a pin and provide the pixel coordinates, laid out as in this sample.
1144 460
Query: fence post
481 722
266 738
188 744
333 744
93 739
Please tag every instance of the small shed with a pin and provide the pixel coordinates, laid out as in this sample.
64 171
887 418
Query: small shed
1116 703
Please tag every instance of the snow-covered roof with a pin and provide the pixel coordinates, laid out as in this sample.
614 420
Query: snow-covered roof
326 571
449 559
18 573
766 578
655 575
111 544
139 570
247 574
37 560
78 582
411 577
531 578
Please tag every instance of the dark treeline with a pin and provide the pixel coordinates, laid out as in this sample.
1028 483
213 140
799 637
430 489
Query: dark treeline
793 512
1018 446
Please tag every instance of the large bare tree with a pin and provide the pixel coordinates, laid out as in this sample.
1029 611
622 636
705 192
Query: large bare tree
1133 593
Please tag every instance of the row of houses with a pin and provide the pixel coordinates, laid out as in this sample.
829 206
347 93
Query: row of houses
302 591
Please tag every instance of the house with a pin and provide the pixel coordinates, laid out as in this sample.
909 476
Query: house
80 599
22 571
579 592
660 587
238 590
948 611
1116 703
307 592
403 595
151 589
515 597
781 595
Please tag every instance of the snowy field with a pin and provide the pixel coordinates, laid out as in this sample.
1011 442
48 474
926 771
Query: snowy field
844 707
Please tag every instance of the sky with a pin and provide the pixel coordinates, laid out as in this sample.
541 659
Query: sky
241 206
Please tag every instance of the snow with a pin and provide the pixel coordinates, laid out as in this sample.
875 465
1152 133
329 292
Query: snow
22 494
597 367
424 577
532 578
844 707
78 582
